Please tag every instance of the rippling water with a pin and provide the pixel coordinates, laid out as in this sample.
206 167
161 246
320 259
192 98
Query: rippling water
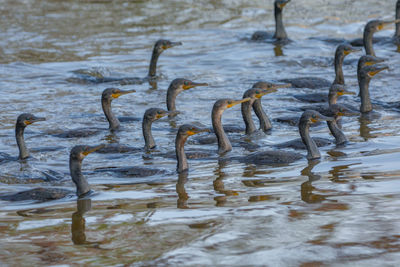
343 210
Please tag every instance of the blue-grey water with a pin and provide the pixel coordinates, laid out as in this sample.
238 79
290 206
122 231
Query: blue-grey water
227 213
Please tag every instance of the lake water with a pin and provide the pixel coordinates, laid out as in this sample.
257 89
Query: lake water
341 210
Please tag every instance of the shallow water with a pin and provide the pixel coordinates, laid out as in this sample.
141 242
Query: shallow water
341 210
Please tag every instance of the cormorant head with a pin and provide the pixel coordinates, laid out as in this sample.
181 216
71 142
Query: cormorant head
112 93
340 90
270 87
189 130
347 49
78 153
378 25
225 103
26 119
281 3
312 116
371 71
337 110
185 84
162 45
153 114
369 60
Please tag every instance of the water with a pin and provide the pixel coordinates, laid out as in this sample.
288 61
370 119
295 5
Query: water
341 210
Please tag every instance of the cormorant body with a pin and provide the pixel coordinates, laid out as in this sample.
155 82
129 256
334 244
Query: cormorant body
23 120
107 96
78 153
280 35
315 82
159 47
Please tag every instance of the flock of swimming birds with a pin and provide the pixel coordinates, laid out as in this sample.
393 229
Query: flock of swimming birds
324 108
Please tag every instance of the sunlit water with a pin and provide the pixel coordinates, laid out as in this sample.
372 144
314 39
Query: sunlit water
342 210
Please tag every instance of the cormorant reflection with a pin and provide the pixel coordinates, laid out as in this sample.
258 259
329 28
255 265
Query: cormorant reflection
307 194
78 222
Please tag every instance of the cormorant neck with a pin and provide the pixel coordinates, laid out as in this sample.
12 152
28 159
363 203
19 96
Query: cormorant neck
332 98
336 132
247 118
149 142
280 32
112 120
153 62
224 145
312 148
75 168
19 135
339 57
265 122
366 105
182 164
171 96
369 49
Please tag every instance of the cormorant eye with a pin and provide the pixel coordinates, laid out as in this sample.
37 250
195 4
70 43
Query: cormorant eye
186 83
229 102
257 92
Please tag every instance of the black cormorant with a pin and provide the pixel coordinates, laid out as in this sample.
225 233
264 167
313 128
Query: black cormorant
78 153
280 35
106 98
315 82
159 47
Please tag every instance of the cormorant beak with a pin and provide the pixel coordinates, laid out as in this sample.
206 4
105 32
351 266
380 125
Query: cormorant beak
172 44
282 5
352 50
375 61
234 103
35 119
382 25
91 149
321 118
193 84
159 116
348 113
198 130
123 93
345 93
376 70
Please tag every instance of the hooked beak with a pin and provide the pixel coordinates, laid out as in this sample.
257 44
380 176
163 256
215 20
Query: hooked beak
345 92
375 61
193 84
198 130
175 44
385 23
234 103
36 119
322 118
352 50
125 92
377 69
282 5
92 149
348 113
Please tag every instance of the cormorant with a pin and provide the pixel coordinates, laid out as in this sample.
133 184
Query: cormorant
78 153
277 157
370 28
159 47
315 82
176 87
336 111
23 120
280 35
394 39
366 73
151 115
107 96
184 132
